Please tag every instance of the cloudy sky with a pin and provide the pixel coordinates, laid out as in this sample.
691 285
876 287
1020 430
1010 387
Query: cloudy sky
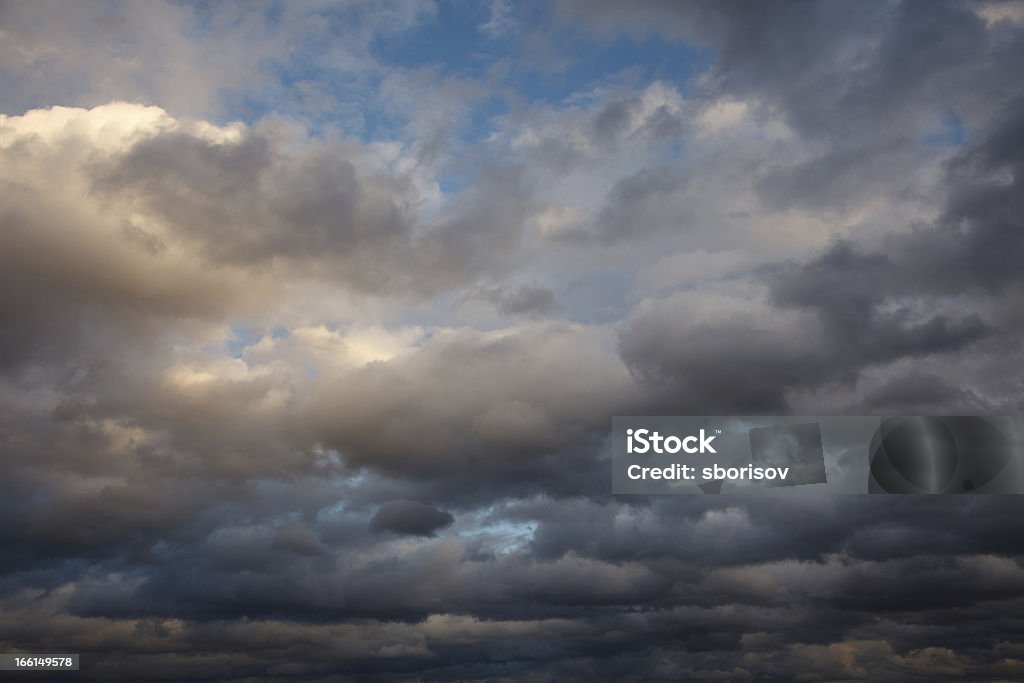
313 318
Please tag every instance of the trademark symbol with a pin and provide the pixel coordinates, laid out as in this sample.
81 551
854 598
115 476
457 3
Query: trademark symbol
718 431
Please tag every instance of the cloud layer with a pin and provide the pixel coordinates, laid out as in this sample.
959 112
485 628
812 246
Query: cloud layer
311 331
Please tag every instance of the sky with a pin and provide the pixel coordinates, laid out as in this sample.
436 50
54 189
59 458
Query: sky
314 316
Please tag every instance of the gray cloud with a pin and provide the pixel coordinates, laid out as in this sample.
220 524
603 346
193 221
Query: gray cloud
465 398
248 203
523 299
409 517
860 82
93 53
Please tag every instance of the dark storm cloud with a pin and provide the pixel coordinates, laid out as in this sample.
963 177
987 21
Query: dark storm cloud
848 289
409 517
731 366
857 571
